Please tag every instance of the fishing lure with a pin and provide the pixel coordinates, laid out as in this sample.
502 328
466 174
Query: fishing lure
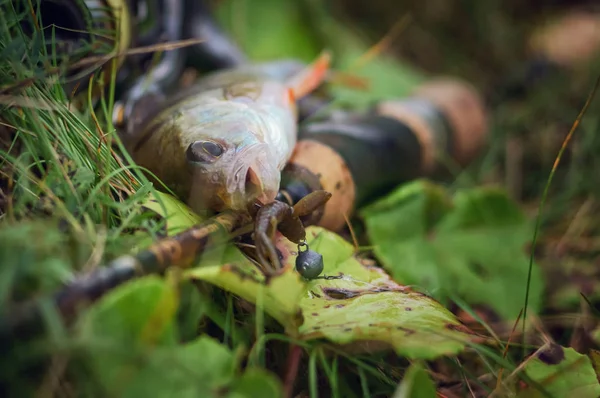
222 143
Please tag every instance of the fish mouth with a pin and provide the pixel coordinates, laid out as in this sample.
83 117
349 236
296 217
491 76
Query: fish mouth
256 178
256 186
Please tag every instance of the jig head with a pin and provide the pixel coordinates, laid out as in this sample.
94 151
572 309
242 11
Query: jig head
309 263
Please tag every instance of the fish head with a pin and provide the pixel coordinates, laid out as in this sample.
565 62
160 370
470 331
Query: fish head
232 167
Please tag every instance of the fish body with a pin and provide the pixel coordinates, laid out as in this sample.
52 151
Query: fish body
222 143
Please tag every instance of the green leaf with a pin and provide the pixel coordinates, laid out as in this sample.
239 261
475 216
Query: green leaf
241 277
203 367
140 312
179 216
471 245
256 383
285 35
200 368
562 372
363 305
126 324
415 384
132 345
413 324
227 268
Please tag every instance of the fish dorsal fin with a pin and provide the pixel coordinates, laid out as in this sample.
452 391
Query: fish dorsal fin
309 78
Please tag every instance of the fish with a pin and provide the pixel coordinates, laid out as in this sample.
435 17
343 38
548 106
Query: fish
222 143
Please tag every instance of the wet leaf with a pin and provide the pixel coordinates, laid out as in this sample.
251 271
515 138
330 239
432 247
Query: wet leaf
366 307
227 268
471 245
413 324
416 384
562 372
241 277
179 216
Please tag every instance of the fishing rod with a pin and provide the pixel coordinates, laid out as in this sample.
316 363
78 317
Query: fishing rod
357 155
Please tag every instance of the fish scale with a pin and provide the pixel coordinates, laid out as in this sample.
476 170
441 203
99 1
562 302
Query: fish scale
247 116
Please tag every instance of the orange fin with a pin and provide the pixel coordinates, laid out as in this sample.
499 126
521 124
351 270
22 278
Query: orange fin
291 97
311 77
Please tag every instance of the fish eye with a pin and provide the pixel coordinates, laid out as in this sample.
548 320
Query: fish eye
212 148
204 151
